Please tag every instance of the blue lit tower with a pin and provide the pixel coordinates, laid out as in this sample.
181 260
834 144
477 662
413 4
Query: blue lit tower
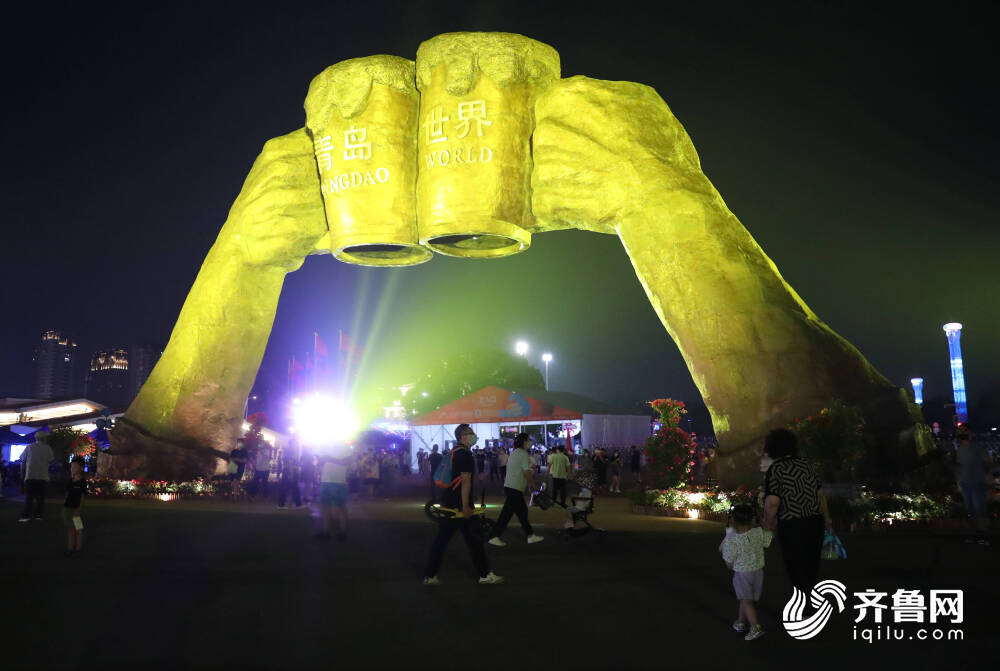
954 332
918 390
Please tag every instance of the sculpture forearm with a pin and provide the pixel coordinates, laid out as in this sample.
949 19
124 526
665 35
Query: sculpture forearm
193 401
197 390
611 157
757 353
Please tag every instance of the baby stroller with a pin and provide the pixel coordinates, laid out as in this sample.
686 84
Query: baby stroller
580 508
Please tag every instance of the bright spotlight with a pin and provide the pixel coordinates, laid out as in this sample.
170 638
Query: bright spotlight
546 357
521 347
323 420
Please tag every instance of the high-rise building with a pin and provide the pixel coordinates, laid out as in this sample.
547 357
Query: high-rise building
55 367
116 375
141 359
107 378
953 331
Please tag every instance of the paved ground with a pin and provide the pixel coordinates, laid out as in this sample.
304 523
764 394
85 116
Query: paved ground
211 584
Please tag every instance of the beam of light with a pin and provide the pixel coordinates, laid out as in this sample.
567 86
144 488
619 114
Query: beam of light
383 309
322 420
344 360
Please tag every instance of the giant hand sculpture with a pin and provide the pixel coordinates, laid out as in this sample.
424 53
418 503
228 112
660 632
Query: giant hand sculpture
607 157
189 411
610 157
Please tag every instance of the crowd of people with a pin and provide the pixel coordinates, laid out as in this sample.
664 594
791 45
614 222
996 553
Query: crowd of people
794 506
255 472
605 468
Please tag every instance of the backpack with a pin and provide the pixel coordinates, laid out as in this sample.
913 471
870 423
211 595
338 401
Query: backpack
443 475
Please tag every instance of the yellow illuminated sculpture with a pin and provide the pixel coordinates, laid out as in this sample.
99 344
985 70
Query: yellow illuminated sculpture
497 131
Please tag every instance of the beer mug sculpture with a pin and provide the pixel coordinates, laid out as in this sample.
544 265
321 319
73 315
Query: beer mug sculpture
362 116
477 101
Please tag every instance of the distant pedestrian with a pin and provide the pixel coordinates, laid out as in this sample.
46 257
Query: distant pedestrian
973 471
75 492
460 497
743 552
35 472
480 463
235 469
333 491
795 507
502 458
559 469
370 472
288 483
520 476
421 460
309 474
635 464
262 470
434 460
600 467
615 473
494 464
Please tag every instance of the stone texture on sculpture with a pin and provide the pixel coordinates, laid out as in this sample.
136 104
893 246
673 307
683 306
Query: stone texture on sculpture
607 157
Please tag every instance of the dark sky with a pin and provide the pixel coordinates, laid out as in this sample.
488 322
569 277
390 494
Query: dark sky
858 145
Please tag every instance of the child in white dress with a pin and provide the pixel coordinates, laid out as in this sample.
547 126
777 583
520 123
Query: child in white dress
743 552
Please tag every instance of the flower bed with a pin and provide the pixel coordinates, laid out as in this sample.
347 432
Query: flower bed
867 510
150 489
692 502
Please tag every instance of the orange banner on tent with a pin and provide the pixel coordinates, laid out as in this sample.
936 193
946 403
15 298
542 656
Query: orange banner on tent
493 404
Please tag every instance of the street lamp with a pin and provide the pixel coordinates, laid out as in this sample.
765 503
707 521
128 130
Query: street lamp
546 358
521 348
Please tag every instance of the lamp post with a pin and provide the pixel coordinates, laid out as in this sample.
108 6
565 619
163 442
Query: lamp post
546 358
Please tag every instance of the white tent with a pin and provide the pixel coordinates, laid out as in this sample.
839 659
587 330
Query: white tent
494 411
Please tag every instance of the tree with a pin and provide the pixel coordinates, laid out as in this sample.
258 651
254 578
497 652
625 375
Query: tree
453 377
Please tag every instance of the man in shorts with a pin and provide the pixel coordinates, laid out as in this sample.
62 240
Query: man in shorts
333 491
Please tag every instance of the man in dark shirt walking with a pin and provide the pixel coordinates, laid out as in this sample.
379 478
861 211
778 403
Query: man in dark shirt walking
460 497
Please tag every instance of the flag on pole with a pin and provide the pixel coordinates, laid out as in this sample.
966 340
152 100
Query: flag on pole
319 347
294 373
351 349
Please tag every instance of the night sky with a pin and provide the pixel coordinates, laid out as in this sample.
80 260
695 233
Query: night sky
858 146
